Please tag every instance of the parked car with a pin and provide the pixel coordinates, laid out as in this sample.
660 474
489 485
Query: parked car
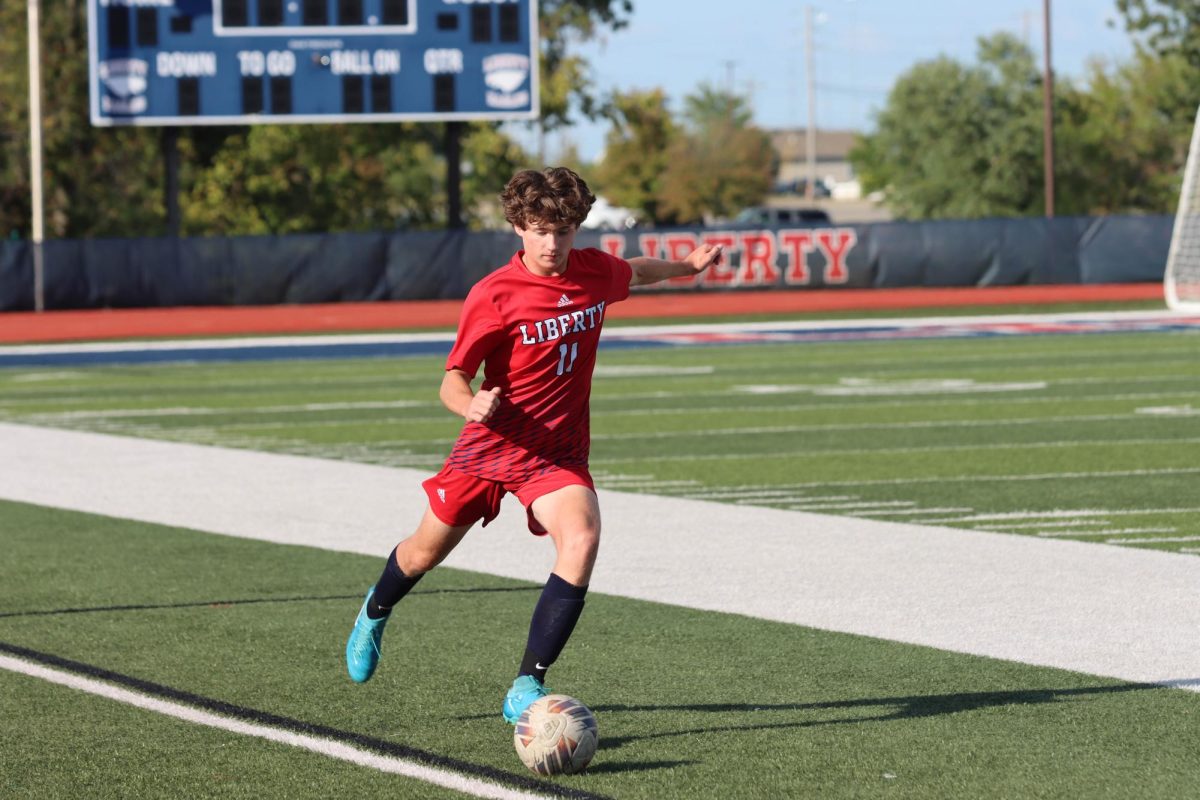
800 187
771 215
606 217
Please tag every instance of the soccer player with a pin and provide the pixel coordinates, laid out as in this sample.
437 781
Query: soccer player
533 325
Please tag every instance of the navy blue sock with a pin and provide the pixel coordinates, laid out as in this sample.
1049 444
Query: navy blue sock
554 619
392 586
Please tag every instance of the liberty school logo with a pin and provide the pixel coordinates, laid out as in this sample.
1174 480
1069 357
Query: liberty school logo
505 74
124 81
562 325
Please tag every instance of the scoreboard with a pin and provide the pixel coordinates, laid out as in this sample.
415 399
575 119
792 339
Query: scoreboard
222 62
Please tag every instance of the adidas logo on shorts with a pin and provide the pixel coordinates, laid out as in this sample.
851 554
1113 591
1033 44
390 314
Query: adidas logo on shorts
564 301
441 493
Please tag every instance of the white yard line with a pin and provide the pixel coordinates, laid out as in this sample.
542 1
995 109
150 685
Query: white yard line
325 747
1120 612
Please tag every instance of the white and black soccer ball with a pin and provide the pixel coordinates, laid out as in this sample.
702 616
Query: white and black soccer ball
556 735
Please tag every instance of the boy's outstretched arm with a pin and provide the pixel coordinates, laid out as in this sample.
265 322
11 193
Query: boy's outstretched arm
652 270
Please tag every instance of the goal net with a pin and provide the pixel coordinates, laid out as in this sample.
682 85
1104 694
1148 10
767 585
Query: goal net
1181 282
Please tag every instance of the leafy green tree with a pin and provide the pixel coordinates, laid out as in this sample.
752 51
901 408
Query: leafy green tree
96 182
1171 26
109 181
1135 126
960 141
722 164
712 164
565 75
966 141
636 152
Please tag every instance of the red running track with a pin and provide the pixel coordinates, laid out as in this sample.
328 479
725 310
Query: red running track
61 326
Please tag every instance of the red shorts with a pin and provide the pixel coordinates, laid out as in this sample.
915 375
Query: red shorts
457 498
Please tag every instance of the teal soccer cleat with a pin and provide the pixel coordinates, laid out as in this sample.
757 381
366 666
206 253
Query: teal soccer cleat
524 692
362 648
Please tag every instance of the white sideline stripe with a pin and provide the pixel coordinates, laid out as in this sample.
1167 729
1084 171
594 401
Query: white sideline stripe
617 332
325 747
1125 613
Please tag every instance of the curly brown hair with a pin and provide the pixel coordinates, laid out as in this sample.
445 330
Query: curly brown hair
555 196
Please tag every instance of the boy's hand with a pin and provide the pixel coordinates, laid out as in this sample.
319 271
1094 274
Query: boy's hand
704 257
483 405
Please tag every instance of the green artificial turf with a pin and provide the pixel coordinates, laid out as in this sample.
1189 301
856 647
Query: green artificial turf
691 704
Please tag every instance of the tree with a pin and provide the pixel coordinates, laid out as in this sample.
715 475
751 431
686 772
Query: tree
960 141
636 152
712 165
1173 26
565 82
96 182
966 141
240 179
722 164
1135 127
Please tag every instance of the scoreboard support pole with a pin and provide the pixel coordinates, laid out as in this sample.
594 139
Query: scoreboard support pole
35 152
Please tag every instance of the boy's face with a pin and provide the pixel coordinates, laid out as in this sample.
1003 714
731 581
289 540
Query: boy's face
547 245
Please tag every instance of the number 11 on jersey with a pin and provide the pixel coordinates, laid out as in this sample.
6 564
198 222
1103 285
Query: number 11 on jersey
565 366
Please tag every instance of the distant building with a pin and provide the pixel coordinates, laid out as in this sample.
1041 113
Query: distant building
833 155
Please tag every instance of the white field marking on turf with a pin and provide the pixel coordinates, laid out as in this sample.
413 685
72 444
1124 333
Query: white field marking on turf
325 747
1106 532
189 411
913 512
872 387
1122 612
717 494
647 371
842 406
860 506
1153 540
1170 411
38 377
613 332
1066 513
867 426
1070 523
947 448
91 399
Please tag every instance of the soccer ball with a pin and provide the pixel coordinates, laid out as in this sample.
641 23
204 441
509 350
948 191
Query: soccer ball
556 735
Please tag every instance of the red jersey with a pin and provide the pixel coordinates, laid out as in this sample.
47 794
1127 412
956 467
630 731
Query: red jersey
537 338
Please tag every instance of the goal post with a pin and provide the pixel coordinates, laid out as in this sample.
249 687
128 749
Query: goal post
1181 280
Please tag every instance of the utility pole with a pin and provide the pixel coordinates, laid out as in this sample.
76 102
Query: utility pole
1048 113
35 151
810 132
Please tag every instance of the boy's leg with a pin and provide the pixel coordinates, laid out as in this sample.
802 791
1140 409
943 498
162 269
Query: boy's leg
427 547
571 515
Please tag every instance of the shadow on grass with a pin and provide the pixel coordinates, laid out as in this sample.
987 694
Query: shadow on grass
892 709
253 601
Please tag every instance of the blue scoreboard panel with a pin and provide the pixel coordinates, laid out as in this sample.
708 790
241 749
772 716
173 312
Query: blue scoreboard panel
222 62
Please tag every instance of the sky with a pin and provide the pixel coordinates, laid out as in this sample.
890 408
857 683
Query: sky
861 47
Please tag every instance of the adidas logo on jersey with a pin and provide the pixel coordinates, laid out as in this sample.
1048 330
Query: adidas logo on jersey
564 301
